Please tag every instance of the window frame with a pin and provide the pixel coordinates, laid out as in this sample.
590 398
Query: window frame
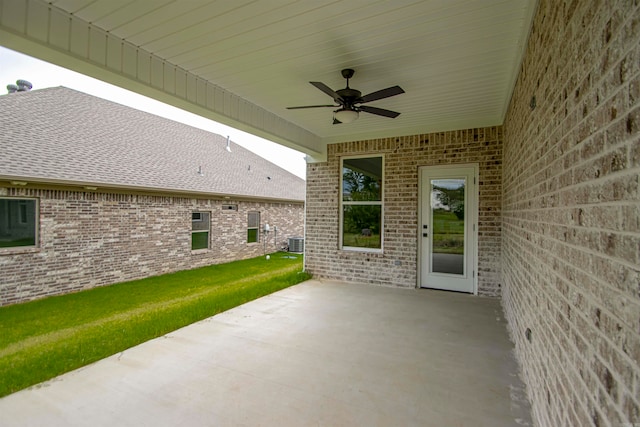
21 207
344 203
257 228
208 230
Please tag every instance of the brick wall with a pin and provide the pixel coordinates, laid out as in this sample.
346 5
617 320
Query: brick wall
571 214
403 156
91 239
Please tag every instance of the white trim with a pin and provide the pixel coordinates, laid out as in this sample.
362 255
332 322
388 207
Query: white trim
474 198
208 230
36 225
380 203
257 228
81 186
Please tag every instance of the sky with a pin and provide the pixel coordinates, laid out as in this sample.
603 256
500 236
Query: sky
16 66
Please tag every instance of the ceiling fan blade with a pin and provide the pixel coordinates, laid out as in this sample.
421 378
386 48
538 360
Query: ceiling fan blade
380 94
311 106
326 89
336 121
379 111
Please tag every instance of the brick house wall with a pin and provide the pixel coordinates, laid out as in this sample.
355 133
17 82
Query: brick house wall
90 239
571 214
397 265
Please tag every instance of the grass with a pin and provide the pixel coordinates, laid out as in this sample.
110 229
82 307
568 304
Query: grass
45 338
27 241
448 233
360 241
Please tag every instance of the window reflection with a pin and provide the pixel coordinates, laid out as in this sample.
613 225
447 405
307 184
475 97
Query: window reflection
447 213
362 203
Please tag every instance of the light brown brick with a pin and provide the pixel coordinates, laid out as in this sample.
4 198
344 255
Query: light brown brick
94 239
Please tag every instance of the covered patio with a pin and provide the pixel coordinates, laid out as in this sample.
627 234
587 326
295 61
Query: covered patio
319 353
542 96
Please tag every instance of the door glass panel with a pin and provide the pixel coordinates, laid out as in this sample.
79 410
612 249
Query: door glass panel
447 225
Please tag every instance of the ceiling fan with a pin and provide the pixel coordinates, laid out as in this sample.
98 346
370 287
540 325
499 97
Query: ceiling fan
347 99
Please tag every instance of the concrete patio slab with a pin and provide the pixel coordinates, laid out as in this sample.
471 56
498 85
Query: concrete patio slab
316 354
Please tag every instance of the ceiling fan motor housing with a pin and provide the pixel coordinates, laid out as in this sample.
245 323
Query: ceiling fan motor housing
349 96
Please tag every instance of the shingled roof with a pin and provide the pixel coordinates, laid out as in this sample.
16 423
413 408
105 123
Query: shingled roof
62 136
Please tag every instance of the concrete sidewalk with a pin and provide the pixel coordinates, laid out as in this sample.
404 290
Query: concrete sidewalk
316 354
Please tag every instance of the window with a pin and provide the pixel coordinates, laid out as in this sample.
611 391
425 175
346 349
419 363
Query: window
361 204
18 222
253 227
24 212
200 230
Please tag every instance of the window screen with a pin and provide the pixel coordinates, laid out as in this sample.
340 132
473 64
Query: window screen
200 226
253 227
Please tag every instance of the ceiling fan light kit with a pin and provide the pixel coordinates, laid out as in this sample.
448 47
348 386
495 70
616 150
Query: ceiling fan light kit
344 115
347 99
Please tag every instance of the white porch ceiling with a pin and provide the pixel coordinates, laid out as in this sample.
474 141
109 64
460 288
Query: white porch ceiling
242 62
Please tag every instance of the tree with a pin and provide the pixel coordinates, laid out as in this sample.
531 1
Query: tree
359 187
453 198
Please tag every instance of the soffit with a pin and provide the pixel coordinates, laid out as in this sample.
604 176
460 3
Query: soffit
457 60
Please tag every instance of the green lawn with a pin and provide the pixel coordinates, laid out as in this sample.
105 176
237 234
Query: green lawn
448 233
45 338
27 241
360 241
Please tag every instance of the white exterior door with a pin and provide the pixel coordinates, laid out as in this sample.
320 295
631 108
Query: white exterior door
447 227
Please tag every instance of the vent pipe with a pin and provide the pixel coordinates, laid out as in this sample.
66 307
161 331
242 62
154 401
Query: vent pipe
228 144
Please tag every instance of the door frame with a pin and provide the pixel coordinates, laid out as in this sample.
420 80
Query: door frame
473 217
